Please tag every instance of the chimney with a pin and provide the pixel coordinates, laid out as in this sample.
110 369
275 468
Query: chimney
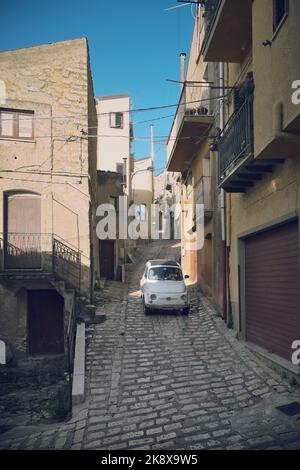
182 56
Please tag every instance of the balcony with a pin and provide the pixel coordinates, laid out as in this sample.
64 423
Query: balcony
228 30
38 256
237 167
203 195
189 129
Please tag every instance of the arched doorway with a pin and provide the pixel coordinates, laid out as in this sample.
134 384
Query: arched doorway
22 227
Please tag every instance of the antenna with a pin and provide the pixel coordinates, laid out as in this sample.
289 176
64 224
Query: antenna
176 6
185 3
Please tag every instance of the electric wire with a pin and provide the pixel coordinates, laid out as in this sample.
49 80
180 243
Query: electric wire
131 111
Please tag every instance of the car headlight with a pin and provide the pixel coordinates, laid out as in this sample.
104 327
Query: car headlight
152 296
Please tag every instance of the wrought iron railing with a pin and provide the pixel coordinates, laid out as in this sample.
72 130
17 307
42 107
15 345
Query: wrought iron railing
66 263
209 15
26 251
237 139
36 253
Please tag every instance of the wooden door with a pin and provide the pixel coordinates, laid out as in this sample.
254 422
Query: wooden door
22 225
107 259
45 322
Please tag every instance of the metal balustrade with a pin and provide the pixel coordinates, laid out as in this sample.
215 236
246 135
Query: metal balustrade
209 15
34 254
237 139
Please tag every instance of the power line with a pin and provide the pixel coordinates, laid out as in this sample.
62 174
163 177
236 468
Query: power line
53 173
131 111
155 119
158 139
32 181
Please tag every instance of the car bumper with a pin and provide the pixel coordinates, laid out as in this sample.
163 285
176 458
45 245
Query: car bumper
166 302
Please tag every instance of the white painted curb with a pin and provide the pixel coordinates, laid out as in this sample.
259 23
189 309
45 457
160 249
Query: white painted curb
78 386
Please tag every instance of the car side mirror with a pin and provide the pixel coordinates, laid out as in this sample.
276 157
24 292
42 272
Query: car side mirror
186 276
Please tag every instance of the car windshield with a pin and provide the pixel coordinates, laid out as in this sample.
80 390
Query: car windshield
165 273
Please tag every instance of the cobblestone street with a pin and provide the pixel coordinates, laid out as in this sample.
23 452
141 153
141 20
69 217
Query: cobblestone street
167 381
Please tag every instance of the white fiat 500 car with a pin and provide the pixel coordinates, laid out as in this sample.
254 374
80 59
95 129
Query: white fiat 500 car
163 287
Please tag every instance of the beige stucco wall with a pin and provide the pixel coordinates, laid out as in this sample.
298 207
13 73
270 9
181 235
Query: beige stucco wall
275 68
114 144
53 81
277 194
197 263
143 185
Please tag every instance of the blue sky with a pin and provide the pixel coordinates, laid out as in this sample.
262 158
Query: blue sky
134 48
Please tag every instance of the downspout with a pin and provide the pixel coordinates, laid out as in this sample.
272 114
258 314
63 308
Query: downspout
182 56
224 219
221 84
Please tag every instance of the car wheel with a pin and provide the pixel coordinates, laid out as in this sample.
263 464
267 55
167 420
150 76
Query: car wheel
146 309
186 310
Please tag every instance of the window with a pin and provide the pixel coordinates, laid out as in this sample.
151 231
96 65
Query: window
165 273
280 11
116 120
16 124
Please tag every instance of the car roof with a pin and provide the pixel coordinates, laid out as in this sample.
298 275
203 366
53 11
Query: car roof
163 262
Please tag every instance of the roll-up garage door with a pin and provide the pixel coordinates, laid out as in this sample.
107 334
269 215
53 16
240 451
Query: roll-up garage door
272 289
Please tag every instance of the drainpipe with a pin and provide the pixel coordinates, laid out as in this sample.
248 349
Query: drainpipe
278 125
182 56
225 219
221 84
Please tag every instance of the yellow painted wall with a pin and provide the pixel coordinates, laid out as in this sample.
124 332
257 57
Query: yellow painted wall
274 68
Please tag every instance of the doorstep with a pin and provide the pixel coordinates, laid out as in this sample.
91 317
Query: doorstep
280 364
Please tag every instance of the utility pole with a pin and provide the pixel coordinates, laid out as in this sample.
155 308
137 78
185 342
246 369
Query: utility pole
152 156
152 143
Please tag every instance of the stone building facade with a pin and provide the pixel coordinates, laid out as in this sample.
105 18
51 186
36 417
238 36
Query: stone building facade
48 181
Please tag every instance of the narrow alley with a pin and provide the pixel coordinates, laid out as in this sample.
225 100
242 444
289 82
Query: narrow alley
167 381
